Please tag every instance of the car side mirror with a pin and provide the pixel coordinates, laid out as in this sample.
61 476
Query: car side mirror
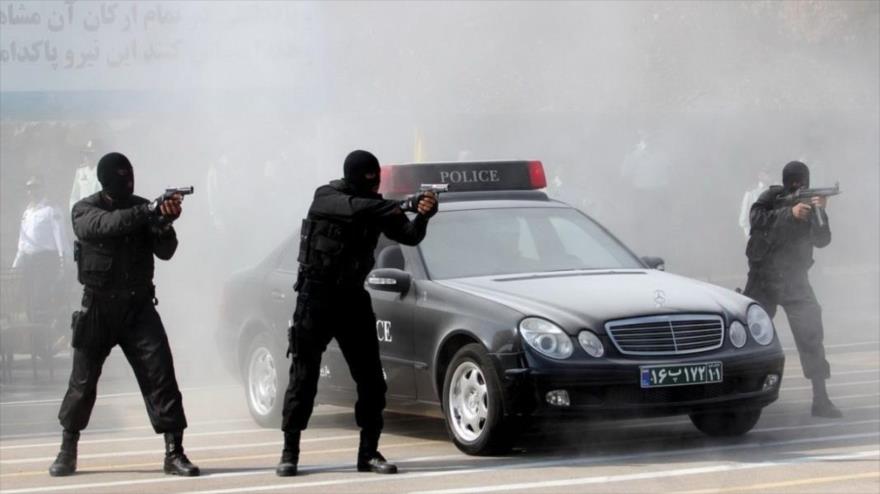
391 257
389 280
654 263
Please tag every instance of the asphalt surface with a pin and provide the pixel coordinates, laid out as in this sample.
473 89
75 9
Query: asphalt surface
788 451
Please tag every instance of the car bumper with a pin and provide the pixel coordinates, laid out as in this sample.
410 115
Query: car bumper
611 387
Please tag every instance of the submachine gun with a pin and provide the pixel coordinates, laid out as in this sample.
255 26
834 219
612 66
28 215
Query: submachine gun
803 196
411 203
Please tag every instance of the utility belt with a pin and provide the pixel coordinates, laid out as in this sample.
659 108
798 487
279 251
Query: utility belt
90 332
122 294
321 288
763 274
779 279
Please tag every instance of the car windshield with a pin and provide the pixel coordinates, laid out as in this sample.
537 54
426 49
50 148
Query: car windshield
488 242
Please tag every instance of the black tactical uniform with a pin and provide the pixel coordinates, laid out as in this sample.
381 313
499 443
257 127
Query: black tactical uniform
117 239
336 254
780 253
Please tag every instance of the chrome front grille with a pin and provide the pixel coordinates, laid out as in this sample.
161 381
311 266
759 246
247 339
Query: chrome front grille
667 335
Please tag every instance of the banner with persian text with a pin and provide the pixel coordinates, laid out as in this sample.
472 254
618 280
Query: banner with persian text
153 45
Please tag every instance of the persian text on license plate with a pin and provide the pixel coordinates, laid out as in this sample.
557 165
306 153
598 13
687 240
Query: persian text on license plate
656 376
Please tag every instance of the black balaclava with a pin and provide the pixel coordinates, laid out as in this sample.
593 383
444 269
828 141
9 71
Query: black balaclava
116 176
795 171
357 165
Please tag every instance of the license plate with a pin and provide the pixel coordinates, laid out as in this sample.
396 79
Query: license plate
658 376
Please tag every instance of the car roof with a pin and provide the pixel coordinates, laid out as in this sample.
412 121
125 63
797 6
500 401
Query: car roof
460 201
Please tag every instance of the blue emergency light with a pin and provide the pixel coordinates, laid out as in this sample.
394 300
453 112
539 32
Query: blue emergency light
463 176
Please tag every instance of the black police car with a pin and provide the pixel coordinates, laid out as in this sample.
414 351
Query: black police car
517 305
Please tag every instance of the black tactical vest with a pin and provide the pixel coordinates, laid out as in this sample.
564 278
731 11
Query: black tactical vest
336 252
783 247
114 263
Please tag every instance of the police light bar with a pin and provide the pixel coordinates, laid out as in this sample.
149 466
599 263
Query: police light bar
463 176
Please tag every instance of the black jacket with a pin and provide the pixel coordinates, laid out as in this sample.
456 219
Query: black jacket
779 243
117 242
342 229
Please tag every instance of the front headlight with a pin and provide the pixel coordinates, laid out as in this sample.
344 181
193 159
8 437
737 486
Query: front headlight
737 334
546 337
591 344
760 324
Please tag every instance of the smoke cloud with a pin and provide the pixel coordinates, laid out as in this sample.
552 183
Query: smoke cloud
653 117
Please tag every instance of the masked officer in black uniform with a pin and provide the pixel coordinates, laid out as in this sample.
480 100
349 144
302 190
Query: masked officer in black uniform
336 254
780 253
118 234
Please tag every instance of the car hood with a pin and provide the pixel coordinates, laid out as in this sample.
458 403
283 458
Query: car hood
588 298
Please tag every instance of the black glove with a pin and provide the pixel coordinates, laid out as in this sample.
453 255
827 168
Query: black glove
411 203
155 204
159 223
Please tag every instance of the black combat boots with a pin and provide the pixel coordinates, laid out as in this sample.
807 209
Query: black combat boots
822 406
176 463
289 455
369 458
65 463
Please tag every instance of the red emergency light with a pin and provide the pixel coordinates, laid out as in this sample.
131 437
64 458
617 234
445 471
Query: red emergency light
536 175
463 176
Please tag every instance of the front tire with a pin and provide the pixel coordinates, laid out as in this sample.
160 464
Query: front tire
726 423
473 404
265 380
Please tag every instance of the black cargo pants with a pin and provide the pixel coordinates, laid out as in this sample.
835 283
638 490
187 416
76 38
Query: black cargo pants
349 318
795 295
133 323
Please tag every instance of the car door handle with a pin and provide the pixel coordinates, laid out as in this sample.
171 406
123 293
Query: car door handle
278 295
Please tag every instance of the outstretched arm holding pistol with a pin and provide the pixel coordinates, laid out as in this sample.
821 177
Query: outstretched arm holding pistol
168 205
400 229
167 209
427 194
423 203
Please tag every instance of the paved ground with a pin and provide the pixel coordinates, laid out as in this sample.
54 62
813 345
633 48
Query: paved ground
788 451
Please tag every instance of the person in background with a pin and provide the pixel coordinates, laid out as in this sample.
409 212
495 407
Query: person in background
85 180
41 252
749 198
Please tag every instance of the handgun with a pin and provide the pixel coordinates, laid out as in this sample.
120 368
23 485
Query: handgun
182 191
435 188
168 195
411 203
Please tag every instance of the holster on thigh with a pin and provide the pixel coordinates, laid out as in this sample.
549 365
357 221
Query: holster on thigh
89 331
